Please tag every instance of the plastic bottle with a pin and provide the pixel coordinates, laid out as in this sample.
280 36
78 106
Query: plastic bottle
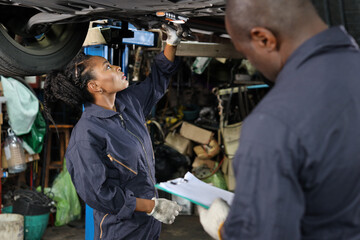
14 153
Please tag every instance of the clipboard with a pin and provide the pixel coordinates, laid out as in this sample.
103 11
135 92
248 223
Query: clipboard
195 190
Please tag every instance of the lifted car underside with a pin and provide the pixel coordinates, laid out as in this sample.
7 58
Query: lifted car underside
37 36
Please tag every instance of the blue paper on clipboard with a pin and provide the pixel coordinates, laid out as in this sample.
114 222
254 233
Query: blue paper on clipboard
195 190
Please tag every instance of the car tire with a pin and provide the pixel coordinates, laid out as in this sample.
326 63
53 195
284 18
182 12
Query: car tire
49 51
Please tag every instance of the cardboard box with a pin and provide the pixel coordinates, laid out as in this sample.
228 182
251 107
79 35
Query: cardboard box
207 151
195 133
32 157
178 142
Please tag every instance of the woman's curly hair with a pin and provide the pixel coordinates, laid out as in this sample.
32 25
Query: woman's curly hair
68 85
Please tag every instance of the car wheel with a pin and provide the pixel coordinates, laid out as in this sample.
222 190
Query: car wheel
35 55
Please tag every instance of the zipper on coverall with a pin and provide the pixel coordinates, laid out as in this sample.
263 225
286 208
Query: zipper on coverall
143 147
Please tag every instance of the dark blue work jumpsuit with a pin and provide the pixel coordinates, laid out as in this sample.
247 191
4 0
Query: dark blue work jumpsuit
297 167
111 161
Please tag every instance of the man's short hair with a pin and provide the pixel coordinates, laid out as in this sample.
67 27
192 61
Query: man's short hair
279 16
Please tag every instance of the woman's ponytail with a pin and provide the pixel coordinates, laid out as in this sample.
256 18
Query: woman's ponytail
68 85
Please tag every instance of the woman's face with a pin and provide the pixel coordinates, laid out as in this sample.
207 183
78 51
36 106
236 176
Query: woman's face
108 77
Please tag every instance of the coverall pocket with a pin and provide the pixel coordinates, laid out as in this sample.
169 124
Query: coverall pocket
127 170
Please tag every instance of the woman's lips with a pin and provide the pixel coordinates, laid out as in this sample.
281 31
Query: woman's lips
123 77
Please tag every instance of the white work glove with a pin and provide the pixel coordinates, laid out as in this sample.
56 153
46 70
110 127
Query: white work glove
165 210
213 218
173 35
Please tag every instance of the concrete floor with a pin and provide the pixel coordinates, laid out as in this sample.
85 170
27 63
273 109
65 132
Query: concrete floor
184 227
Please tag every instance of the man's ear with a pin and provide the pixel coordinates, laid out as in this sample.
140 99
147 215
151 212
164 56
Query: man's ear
263 38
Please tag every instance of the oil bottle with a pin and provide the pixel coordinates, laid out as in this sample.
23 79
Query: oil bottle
14 153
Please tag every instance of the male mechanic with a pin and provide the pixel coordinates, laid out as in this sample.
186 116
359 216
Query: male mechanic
297 167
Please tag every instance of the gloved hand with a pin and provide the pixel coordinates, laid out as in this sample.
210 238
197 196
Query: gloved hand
173 35
213 218
165 210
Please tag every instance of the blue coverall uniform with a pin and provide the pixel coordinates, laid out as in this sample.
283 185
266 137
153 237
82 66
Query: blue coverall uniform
111 161
297 167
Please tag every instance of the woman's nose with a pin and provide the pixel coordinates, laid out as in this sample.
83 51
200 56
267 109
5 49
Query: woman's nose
118 69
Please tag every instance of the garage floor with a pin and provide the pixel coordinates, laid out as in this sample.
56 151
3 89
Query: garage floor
184 227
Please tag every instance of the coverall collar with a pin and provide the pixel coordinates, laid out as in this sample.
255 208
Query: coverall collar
100 112
334 37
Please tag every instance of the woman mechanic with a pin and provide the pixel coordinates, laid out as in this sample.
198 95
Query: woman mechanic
110 156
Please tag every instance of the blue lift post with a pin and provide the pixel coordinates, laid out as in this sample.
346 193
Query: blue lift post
141 38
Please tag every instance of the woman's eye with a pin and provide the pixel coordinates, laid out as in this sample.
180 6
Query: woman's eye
108 67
